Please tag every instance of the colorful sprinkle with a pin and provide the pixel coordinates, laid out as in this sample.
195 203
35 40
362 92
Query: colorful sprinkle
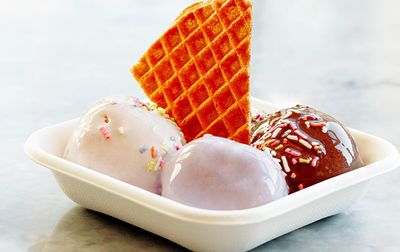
177 147
274 142
304 160
106 133
144 104
135 100
317 148
314 161
286 133
260 131
300 187
305 143
274 120
157 166
161 110
307 124
153 152
300 134
309 117
276 132
293 175
293 152
295 111
279 147
318 124
143 149
324 129
151 165
288 114
152 106
294 161
163 148
258 142
277 126
285 164
293 126
293 138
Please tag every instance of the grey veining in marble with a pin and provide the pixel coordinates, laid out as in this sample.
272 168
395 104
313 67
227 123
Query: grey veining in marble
56 57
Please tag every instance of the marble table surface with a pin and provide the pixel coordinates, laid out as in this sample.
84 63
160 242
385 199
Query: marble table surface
57 57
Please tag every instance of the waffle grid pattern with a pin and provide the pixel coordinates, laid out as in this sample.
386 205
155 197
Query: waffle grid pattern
199 70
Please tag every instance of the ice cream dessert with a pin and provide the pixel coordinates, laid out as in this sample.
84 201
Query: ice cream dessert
217 173
311 146
198 74
125 138
199 70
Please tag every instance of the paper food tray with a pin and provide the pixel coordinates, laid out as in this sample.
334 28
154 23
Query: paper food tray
208 230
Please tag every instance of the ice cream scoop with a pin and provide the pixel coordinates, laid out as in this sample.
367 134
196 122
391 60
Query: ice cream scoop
219 174
311 145
124 138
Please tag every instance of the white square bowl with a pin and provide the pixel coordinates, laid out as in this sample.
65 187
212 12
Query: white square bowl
208 230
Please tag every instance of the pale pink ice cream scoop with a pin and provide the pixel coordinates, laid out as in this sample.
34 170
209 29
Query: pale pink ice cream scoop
126 139
219 174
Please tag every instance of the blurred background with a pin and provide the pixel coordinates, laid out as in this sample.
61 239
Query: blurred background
59 56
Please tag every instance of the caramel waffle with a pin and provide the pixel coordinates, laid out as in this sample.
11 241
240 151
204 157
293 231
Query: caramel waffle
198 70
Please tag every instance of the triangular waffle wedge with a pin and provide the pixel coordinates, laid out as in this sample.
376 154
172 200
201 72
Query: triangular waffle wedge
198 70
